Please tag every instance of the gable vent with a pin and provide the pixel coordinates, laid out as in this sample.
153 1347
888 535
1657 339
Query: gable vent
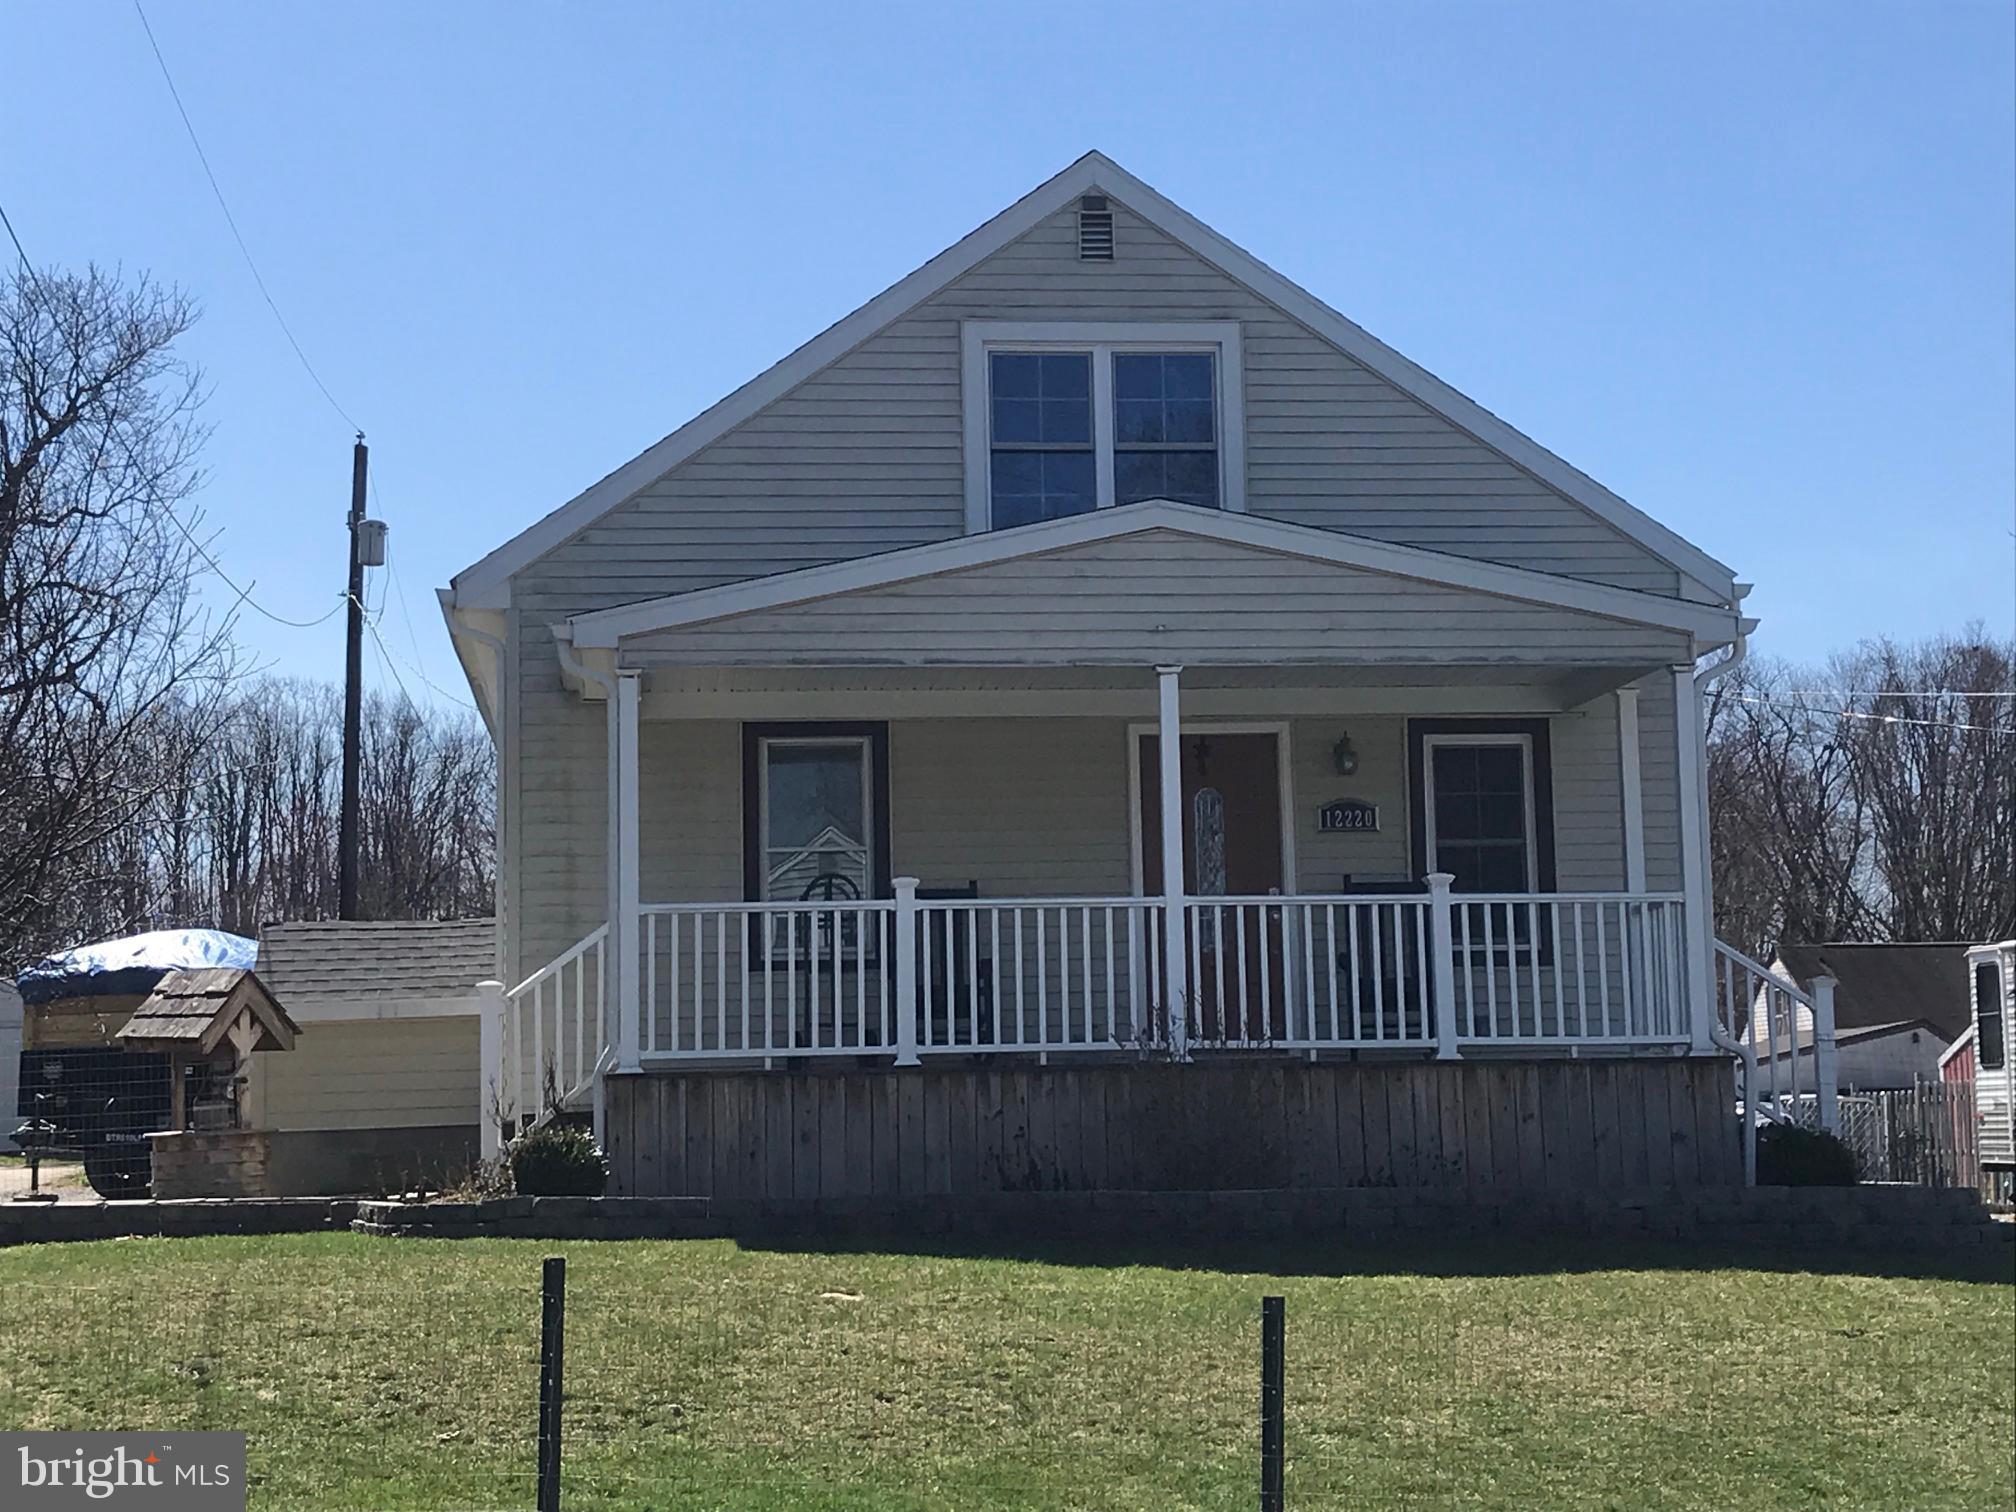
1095 229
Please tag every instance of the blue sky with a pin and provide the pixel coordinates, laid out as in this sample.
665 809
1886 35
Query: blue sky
1751 266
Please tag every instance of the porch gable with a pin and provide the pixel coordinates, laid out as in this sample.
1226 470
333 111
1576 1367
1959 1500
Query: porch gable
1151 583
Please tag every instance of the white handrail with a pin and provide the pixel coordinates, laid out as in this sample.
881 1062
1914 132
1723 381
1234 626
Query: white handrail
1757 1019
554 1034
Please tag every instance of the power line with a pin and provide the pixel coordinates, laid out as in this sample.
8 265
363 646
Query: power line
1891 719
244 594
385 650
1891 693
23 251
231 221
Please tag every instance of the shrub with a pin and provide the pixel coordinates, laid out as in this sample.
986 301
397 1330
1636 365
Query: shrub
480 1182
558 1161
1788 1155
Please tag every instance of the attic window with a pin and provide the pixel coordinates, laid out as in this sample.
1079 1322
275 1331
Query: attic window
1095 229
1065 417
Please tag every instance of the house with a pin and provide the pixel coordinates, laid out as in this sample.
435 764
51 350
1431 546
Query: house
1896 1010
382 1087
1232 757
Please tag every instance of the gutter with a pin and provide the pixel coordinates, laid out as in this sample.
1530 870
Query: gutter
573 666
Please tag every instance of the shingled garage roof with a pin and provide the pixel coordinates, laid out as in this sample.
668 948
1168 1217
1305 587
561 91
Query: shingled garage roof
348 969
1888 984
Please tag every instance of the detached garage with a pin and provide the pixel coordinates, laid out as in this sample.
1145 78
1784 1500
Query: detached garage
382 1088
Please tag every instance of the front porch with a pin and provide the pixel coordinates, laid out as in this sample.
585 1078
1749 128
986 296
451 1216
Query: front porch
1168 788
1345 948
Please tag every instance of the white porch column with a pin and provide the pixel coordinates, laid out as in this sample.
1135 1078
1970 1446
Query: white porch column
1826 1054
623 869
1175 956
906 970
1692 796
1442 964
1632 786
495 1085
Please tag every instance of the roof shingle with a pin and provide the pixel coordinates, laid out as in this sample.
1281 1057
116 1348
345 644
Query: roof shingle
1883 984
329 962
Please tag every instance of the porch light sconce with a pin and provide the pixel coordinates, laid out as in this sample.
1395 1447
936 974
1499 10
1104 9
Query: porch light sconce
1346 756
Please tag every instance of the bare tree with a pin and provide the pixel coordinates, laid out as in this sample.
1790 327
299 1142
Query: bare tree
1873 800
99 631
250 835
1933 757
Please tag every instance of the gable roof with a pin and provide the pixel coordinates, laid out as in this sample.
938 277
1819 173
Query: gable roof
325 965
196 1009
485 583
1802 1043
608 627
1882 984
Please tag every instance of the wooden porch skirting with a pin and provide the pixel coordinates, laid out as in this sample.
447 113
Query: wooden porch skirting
1236 1125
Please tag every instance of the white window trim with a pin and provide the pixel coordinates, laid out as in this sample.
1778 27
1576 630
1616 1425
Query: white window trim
1431 743
867 756
1102 338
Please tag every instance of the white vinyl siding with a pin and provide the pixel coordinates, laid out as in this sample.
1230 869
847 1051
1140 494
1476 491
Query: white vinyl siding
373 1074
1033 806
866 456
1160 597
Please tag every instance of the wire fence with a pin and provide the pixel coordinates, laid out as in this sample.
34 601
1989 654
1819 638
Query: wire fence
1925 1135
406 1374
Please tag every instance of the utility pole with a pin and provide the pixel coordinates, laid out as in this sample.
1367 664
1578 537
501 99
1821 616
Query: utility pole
353 694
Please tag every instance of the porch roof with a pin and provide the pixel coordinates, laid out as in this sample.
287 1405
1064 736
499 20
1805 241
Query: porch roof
1157 581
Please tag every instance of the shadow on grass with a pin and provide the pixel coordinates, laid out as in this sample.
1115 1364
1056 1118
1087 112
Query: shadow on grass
1485 1254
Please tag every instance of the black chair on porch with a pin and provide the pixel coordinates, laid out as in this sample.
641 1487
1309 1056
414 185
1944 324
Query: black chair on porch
955 973
829 948
1383 960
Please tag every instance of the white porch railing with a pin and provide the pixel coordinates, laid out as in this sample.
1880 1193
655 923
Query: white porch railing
764 979
1426 972
1784 1036
913 978
551 1043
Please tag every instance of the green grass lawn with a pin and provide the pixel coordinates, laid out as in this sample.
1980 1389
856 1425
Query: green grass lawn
402 1374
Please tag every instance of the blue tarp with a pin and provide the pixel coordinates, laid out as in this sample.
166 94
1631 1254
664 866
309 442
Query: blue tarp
133 964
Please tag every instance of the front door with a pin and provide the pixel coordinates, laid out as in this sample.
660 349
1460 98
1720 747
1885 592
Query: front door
1231 849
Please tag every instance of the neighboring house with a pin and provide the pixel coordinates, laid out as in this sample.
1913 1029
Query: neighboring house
382 1086
1896 1010
1117 615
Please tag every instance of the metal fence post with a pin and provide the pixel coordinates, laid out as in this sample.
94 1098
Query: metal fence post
552 1328
1273 1406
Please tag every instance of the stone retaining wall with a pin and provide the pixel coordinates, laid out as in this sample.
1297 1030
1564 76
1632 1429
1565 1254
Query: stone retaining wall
1861 1218
54 1222
1868 1218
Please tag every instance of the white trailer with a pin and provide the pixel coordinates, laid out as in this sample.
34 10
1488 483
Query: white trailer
1991 974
